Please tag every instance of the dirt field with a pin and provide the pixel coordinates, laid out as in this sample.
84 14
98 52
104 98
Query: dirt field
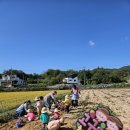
117 99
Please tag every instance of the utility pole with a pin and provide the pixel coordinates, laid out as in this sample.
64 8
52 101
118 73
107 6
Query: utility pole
11 78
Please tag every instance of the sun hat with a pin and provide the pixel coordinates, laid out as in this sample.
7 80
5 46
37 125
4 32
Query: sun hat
67 96
56 110
36 99
44 110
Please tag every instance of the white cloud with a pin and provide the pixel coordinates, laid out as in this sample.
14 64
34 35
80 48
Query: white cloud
91 43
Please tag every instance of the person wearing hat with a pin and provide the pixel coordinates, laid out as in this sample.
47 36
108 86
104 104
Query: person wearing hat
56 115
44 117
38 105
22 109
66 103
30 115
55 124
49 98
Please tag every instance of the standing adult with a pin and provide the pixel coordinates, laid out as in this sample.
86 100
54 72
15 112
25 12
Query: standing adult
49 98
22 109
75 95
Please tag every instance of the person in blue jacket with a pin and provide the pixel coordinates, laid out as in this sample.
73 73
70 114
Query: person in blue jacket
22 109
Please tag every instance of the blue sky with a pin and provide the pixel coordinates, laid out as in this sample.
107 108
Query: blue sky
36 35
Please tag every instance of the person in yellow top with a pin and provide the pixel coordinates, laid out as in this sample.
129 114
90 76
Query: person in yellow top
66 103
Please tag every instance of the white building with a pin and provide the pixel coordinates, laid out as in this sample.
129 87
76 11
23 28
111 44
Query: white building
71 80
11 80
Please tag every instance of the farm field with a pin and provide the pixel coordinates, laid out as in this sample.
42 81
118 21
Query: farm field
10 100
117 99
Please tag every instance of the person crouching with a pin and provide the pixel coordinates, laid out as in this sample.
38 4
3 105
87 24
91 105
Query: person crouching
22 109
56 115
66 103
30 115
55 124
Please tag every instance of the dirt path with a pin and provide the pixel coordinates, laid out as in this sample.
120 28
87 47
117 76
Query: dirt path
117 99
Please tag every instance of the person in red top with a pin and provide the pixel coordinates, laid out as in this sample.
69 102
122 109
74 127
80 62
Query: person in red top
56 115
30 115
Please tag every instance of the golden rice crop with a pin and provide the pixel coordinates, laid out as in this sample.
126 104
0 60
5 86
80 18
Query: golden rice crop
10 100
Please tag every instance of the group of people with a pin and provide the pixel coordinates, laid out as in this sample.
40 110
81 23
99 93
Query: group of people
48 109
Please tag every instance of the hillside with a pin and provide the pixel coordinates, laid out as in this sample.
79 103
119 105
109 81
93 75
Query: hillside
125 67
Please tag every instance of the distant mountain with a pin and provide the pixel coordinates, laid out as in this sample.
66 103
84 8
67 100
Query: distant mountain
125 67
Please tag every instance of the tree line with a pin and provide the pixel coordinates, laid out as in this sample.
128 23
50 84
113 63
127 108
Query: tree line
95 76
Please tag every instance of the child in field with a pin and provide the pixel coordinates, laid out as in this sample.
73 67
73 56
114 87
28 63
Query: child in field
66 103
56 115
38 104
30 115
55 124
44 117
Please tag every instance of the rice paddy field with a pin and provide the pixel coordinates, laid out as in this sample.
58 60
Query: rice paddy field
10 100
